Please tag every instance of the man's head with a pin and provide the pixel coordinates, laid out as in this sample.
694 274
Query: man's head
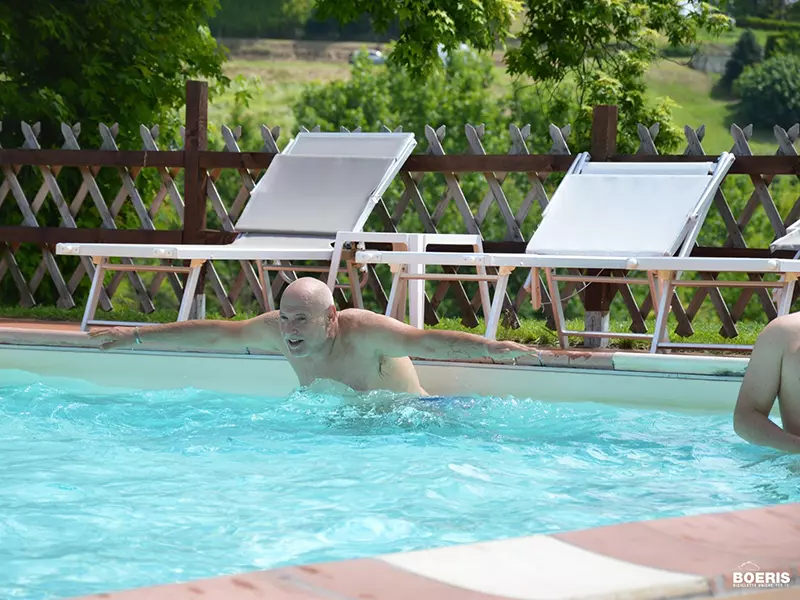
307 316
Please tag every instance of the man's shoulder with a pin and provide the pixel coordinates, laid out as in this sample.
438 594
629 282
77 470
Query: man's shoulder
779 336
786 327
358 318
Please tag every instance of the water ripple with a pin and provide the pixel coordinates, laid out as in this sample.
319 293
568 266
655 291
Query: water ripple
104 491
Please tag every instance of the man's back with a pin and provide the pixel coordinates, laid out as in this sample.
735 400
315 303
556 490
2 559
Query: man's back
773 372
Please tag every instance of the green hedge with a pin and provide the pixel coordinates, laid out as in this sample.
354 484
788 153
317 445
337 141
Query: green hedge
767 24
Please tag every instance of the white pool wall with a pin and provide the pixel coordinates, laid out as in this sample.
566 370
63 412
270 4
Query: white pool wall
682 383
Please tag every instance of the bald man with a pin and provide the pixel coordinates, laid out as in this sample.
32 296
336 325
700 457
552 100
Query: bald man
357 348
773 372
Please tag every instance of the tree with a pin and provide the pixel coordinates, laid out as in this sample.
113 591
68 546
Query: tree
770 92
110 61
782 43
261 18
93 61
764 9
746 52
602 48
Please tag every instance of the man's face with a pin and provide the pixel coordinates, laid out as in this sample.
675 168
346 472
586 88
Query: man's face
304 329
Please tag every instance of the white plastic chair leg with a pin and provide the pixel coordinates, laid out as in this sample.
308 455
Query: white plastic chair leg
493 322
483 286
416 287
558 310
189 290
665 289
94 292
394 293
336 259
355 284
785 302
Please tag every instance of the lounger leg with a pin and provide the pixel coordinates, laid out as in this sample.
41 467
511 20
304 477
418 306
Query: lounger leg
785 303
336 258
483 287
665 289
535 289
189 290
558 310
266 287
416 287
355 284
493 322
392 306
94 291
653 283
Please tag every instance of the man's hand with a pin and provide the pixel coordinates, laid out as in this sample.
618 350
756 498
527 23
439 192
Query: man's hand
510 350
115 337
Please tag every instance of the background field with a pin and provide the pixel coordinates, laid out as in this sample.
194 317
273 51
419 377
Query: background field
277 70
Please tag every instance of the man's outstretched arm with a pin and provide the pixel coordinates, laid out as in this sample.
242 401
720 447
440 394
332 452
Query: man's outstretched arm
394 338
261 333
758 393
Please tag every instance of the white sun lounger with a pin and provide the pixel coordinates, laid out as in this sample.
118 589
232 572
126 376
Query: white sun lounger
320 185
636 216
790 241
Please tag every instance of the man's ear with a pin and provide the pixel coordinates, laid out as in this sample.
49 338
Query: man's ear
332 311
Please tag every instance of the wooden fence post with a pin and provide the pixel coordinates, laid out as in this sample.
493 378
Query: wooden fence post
598 296
195 179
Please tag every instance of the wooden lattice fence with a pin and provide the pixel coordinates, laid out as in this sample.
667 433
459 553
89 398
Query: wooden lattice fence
197 186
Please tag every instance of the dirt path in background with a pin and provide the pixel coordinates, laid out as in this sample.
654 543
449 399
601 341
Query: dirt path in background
287 50
283 50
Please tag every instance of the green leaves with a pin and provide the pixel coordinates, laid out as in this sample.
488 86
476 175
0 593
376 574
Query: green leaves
770 92
102 61
424 25
597 49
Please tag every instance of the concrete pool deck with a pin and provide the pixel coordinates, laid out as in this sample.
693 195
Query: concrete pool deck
687 558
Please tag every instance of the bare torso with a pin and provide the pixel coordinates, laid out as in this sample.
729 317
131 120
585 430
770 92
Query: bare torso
789 393
356 364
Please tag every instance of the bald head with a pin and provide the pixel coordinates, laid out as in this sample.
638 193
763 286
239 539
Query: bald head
308 317
309 293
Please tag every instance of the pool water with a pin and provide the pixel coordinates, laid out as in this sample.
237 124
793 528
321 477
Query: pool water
105 490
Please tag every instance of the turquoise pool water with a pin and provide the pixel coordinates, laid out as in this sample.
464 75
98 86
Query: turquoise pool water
103 491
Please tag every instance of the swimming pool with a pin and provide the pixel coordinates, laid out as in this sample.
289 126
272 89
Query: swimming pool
112 489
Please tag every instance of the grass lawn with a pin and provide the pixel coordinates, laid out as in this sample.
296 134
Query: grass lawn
729 38
276 87
691 92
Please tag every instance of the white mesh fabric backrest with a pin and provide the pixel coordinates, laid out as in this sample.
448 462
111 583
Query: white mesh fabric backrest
619 215
647 168
308 195
375 145
790 241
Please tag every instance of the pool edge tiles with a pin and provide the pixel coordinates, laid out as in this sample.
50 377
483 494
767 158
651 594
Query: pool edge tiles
661 559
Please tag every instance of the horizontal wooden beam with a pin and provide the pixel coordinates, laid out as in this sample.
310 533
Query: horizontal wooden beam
93 158
467 163
235 160
454 163
55 235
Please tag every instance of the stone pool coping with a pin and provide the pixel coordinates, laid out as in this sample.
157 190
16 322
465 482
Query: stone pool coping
687 558
57 334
